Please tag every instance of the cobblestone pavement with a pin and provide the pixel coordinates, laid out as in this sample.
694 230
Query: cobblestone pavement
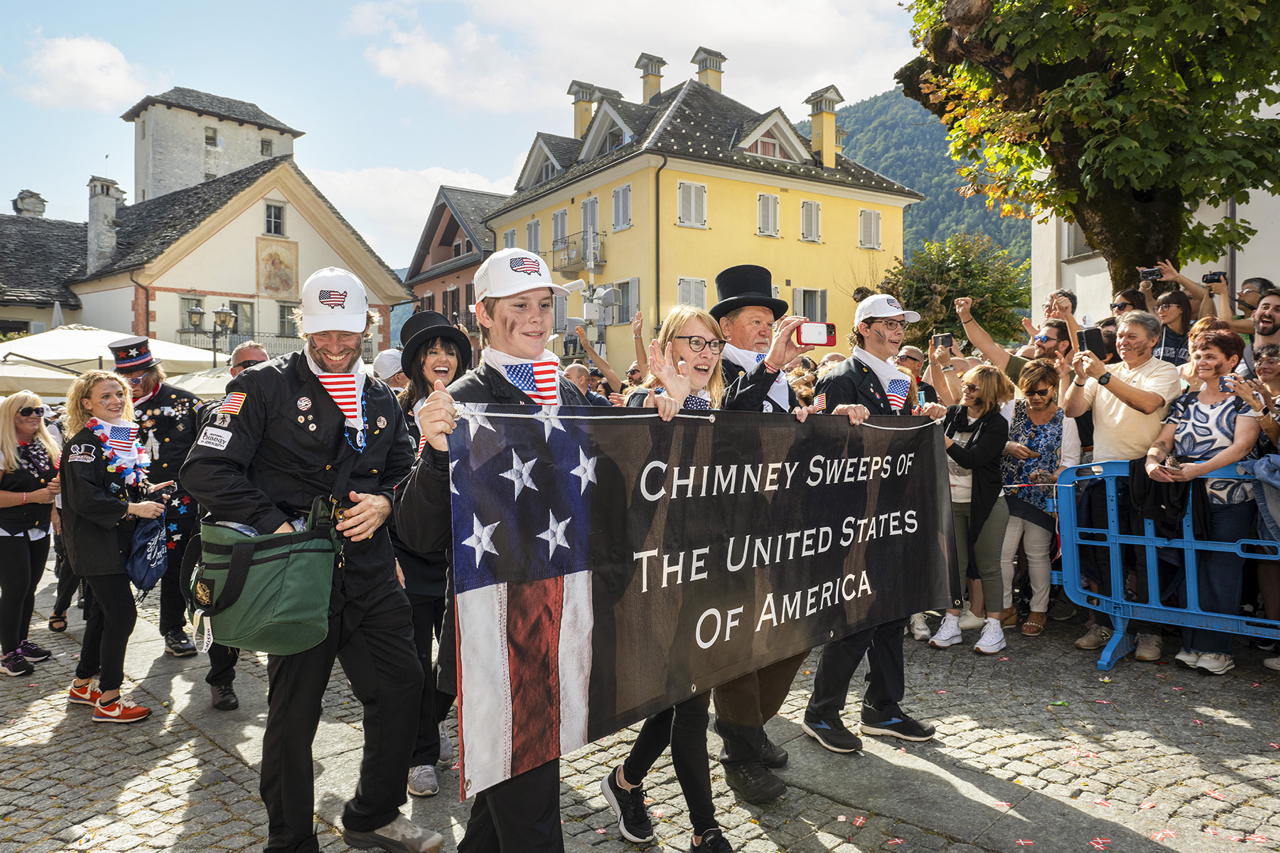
1036 748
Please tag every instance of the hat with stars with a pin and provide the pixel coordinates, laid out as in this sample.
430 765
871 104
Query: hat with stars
133 354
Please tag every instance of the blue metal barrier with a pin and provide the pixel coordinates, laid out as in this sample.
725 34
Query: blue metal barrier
1116 603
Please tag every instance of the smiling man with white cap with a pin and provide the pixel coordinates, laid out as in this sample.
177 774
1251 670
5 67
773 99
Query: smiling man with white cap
303 426
515 310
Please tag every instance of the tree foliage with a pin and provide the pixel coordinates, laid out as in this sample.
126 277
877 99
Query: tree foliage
961 265
1124 116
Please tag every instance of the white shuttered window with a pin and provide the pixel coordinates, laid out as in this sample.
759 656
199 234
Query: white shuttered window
692 205
869 229
692 291
767 215
810 221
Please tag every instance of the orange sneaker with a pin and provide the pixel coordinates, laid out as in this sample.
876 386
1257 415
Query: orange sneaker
119 710
85 695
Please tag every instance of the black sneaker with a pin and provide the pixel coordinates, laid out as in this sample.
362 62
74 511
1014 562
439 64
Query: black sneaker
15 664
899 726
32 652
831 734
223 697
754 782
713 841
773 756
633 817
1061 610
177 644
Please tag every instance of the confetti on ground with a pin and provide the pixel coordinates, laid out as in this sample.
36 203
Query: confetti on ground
1103 701
940 692
859 820
1178 689
1215 794
1024 842
1102 802
1002 805
1274 745
1100 843
1197 722
599 832
1163 834
1106 679
894 841
1146 805
1002 660
1060 702
841 818
1209 830
1256 684
1255 838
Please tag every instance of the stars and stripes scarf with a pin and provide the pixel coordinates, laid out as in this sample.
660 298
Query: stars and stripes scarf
347 392
120 444
537 378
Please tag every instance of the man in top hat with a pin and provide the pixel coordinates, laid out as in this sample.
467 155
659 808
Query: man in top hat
167 421
285 434
867 378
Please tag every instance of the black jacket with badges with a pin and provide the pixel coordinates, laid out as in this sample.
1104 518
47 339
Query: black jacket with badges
19 518
167 427
94 526
850 382
748 391
262 458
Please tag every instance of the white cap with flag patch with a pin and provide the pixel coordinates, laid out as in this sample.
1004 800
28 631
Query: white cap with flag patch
511 271
882 305
333 300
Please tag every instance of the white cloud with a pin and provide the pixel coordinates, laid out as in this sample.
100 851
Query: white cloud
505 56
82 72
390 206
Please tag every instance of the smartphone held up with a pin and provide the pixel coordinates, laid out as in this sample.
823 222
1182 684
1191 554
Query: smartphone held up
816 334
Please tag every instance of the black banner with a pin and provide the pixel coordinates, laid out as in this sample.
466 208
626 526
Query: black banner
608 565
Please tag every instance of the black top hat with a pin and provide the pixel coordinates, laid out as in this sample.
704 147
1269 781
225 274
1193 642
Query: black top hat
424 327
743 286
132 354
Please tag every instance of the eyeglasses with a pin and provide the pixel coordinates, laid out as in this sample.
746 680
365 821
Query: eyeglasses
1160 306
28 411
248 362
891 325
1120 306
970 388
697 342
1037 392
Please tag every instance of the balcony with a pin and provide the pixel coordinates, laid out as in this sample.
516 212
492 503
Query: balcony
581 251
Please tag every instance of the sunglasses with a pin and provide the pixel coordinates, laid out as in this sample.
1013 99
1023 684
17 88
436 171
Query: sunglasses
1120 306
135 378
28 411
248 362
1044 339
1037 392
970 388
697 342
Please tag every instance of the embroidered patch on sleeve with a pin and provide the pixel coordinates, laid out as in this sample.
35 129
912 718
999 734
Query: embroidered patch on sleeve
820 402
231 405
216 438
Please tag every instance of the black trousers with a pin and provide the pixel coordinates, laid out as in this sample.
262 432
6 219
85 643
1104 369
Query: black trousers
886 684
684 729
520 815
173 596
745 704
428 616
108 623
21 564
222 659
371 635
68 581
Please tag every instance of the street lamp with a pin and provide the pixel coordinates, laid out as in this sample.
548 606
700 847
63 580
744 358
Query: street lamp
224 322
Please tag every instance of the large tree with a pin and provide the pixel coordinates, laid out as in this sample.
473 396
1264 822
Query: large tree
1124 116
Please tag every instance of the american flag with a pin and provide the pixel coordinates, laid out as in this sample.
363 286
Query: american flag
693 401
231 405
122 439
521 569
333 298
820 402
342 388
537 379
526 264
897 392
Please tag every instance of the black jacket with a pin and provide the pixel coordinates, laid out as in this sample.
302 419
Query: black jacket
982 457
168 424
94 500
19 519
263 465
748 391
851 382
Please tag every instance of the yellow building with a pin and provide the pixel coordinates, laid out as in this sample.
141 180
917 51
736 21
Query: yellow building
649 200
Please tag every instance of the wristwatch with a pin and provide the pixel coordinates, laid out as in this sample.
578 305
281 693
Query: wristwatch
1104 379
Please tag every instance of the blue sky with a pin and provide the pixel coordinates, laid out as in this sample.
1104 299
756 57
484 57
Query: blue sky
398 96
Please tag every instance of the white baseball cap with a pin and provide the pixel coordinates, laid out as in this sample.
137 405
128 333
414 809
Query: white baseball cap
333 300
511 271
387 364
882 305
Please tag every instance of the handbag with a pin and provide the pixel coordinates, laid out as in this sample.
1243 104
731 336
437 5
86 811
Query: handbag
270 592
148 555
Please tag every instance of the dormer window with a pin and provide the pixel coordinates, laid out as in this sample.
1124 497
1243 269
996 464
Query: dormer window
615 138
768 146
547 172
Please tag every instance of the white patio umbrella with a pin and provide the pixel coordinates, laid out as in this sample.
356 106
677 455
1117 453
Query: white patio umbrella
86 348
18 375
208 384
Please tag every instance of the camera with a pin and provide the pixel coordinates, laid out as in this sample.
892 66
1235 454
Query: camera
1149 274
1211 277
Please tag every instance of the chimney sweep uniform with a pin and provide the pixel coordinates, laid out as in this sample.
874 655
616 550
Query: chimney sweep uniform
167 426
275 443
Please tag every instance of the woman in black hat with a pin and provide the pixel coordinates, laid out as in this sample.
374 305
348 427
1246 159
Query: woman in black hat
433 351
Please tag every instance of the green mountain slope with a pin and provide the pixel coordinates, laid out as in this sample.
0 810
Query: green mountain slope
901 140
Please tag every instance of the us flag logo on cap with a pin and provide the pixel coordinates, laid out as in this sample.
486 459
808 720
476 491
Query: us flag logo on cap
334 298
526 264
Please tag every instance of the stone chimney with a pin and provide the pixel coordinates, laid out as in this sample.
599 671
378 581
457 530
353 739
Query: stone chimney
584 95
824 138
710 66
29 203
650 75
104 201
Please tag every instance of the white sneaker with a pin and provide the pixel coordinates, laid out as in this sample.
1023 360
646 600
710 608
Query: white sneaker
401 835
919 627
970 620
1187 658
1216 663
992 639
1272 663
948 633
